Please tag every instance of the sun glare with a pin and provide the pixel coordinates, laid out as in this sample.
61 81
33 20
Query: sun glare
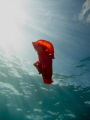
12 19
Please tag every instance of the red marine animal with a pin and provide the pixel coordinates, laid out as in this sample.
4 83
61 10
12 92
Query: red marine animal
45 51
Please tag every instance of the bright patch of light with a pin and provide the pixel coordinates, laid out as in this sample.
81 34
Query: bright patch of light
12 19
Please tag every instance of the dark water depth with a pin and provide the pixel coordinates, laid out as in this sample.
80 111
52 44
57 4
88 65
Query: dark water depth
24 96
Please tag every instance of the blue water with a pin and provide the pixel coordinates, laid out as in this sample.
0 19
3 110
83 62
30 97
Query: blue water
24 96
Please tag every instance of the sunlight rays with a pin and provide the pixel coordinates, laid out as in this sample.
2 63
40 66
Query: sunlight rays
12 18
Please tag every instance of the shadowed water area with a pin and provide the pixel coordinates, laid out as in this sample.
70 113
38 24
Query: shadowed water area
24 96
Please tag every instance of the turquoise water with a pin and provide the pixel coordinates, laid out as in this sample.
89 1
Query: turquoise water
24 96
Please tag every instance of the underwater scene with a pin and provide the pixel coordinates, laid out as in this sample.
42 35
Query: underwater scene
23 93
